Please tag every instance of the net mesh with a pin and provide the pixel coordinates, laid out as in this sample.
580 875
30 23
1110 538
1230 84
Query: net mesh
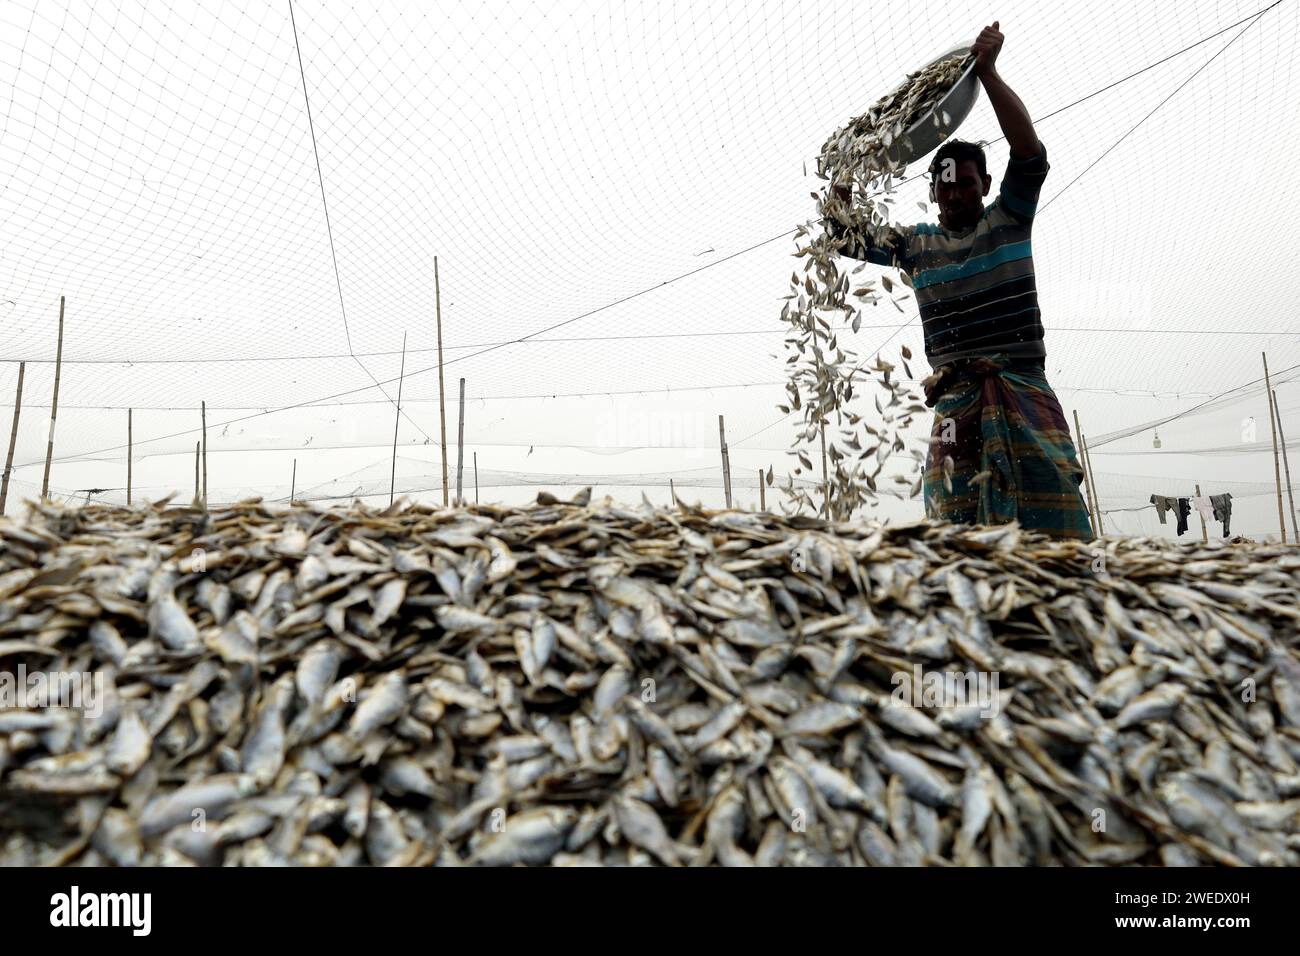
242 203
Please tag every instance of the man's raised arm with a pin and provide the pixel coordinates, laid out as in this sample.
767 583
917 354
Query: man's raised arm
1012 115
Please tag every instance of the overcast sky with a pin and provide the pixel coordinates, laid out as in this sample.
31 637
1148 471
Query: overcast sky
610 190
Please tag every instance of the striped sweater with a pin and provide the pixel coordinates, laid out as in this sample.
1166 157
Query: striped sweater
975 289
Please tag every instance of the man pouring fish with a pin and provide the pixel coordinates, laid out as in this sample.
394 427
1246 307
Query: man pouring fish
1000 447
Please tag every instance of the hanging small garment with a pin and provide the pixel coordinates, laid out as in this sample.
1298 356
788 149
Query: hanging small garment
1184 509
1222 510
1204 506
1162 505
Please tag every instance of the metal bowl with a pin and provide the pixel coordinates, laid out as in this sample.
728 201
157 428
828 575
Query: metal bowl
957 103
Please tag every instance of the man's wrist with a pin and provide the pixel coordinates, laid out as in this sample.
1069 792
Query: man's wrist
989 76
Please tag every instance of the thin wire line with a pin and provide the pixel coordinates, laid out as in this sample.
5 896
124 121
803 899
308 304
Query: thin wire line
599 338
533 396
320 176
1098 442
765 428
338 281
1175 92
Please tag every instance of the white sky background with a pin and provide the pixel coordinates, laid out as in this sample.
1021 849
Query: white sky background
618 183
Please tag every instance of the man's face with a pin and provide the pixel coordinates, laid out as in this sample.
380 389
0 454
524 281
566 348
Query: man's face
959 189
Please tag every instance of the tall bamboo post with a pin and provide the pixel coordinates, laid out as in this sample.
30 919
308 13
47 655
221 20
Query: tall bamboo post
392 478
442 395
203 410
1277 469
54 405
293 481
1204 537
197 446
1286 465
726 460
1087 489
130 450
475 477
460 443
1092 479
13 440
762 492
672 491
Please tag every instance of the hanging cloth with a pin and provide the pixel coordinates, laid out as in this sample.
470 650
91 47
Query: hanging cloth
1162 504
1222 510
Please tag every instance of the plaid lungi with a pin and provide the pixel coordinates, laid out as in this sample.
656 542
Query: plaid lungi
993 417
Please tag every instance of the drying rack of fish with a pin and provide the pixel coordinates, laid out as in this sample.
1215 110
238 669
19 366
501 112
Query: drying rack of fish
823 373
579 684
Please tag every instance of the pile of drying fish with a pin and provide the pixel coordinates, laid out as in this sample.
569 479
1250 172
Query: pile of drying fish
592 684
823 375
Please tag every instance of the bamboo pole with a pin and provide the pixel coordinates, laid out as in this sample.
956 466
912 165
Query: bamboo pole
13 440
826 485
130 449
196 471
475 477
762 492
1286 465
1092 480
293 481
203 410
442 394
54 405
460 443
1087 490
1277 469
392 478
1204 537
726 460
672 491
